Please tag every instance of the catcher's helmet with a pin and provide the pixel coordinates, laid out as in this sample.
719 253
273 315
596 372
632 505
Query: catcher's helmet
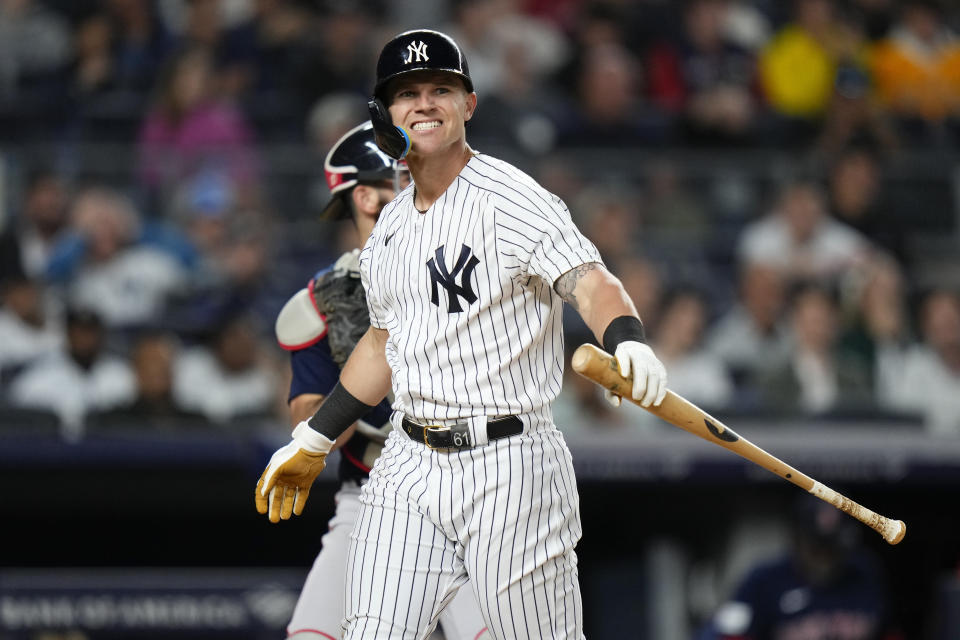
354 158
420 50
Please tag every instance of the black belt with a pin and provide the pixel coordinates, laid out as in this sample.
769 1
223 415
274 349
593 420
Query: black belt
457 436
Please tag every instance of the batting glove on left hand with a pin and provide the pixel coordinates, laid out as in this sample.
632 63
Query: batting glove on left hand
649 374
285 484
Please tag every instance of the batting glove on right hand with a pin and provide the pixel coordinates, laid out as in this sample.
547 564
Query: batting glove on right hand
285 484
649 374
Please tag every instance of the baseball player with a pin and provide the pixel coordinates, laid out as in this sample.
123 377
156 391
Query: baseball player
825 586
320 325
465 275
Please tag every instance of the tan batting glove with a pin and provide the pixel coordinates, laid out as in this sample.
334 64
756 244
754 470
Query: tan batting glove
285 484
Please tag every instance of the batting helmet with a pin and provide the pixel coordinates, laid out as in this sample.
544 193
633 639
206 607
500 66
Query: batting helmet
420 50
353 159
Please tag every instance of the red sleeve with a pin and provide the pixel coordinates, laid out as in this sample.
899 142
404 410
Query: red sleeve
665 78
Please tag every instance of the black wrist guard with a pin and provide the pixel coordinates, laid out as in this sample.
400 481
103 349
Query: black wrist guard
620 329
391 139
339 410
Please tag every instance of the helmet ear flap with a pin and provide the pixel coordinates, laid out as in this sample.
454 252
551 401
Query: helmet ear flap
392 140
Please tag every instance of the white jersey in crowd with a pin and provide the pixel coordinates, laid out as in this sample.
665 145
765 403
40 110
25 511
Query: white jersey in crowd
465 291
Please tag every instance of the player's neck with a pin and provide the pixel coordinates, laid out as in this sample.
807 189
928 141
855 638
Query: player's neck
433 174
365 228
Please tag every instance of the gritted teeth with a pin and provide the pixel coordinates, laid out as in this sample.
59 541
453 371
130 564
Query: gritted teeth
420 126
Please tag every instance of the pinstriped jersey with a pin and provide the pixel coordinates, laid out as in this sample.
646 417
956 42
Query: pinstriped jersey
465 291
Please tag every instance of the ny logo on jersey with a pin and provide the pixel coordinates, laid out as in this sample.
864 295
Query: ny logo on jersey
416 52
466 263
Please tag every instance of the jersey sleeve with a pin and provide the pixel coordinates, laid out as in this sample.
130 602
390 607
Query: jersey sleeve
373 293
748 614
538 237
313 370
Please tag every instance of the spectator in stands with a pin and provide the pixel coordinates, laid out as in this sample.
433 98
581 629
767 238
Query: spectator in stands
675 216
522 110
928 380
916 71
876 16
27 241
473 28
819 378
29 329
200 23
611 214
154 406
644 282
189 130
233 244
800 238
330 117
853 116
750 337
336 52
230 377
104 264
82 378
878 329
497 34
608 108
563 176
695 373
706 79
747 24
856 192
825 586
799 66
34 53
258 61
592 24
120 49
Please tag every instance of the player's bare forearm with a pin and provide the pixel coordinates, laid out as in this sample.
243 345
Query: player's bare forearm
366 374
305 405
596 294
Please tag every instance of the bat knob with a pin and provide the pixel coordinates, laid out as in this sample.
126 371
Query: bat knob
897 536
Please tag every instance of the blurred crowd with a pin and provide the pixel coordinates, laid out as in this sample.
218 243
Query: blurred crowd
162 172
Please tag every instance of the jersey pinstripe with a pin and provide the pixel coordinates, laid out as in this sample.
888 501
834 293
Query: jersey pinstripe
497 238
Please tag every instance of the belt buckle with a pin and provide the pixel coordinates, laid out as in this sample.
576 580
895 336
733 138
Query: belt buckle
432 427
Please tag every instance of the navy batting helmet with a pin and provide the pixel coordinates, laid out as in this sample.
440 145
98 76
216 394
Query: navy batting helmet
420 50
355 158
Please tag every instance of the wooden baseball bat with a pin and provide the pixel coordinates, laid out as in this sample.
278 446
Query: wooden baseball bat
599 366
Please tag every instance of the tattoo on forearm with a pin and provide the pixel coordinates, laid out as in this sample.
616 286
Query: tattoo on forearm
568 282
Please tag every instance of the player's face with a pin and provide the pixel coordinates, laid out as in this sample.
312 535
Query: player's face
432 107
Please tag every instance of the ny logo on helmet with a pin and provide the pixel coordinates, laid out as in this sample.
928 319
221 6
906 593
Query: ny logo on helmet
437 267
416 52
